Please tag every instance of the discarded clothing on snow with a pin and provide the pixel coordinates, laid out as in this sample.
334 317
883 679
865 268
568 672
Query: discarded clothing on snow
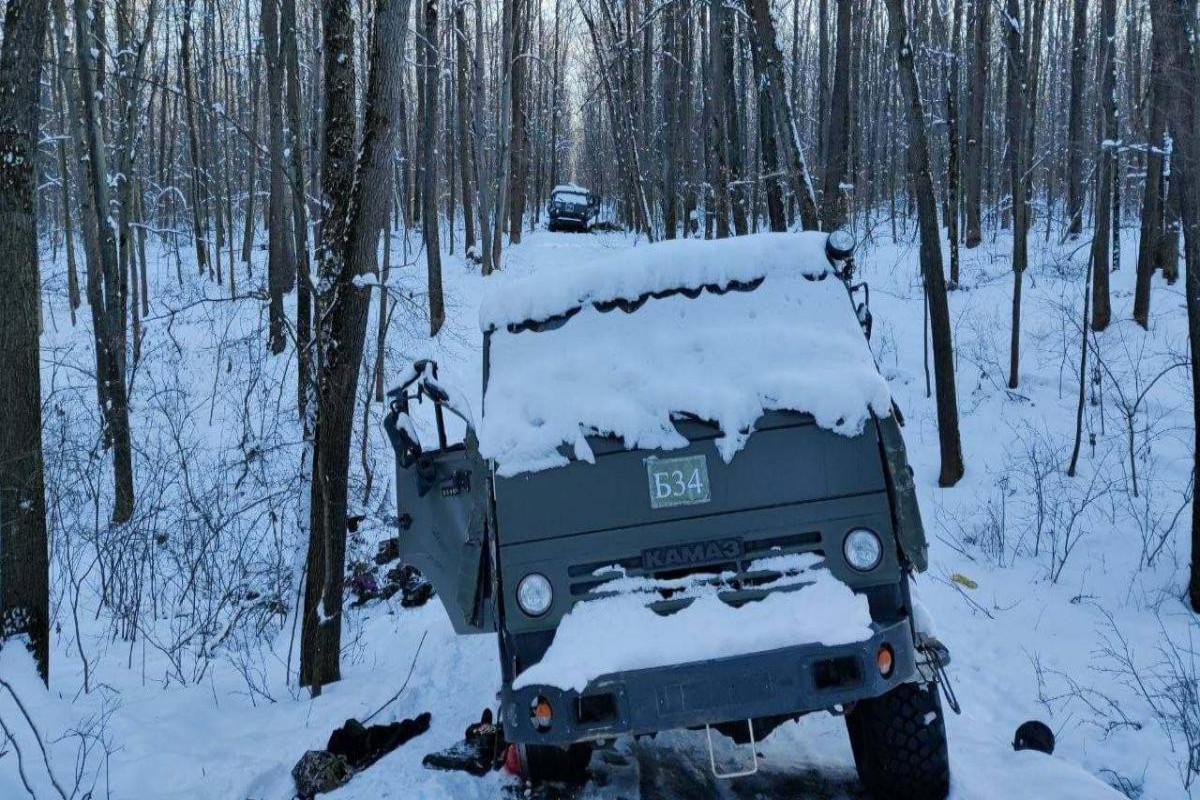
481 750
351 749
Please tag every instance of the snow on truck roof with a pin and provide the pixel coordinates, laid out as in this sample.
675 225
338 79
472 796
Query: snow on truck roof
725 330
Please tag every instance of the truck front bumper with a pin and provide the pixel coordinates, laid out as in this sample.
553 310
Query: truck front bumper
789 681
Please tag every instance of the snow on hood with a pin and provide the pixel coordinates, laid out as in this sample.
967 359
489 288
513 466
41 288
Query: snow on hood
621 633
633 272
791 343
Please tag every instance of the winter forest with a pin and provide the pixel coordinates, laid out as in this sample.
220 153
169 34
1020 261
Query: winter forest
228 229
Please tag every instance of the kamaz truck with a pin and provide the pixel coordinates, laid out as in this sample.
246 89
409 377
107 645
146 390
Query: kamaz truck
682 502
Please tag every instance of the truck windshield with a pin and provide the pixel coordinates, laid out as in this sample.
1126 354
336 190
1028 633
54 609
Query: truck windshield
724 331
570 198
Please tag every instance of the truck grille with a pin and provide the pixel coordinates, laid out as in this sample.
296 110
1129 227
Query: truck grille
737 582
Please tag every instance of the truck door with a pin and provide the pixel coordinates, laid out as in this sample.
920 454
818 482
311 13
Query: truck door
442 510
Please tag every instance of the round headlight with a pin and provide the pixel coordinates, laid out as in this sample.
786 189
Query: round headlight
863 549
534 594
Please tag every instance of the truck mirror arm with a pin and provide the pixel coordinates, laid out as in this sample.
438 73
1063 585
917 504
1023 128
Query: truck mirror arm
407 448
424 376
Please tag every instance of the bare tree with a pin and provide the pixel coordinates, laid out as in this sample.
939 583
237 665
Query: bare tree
1076 146
953 194
1175 26
484 198
429 128
672 119
199 191
1107 174
977 91
519 129
357 199
280 253
24 550
1017 103
833 198
717 72
105 297
461 84
931 250
1153 199
299 206
764 39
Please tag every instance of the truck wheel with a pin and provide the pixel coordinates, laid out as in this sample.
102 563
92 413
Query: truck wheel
899 744
540 763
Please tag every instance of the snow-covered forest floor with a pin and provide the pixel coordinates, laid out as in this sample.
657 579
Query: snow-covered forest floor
174 652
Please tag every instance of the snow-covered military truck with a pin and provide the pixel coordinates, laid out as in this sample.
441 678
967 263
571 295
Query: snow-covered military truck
572 208
683 503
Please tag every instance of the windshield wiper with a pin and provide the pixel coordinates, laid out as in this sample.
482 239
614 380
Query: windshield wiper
687 416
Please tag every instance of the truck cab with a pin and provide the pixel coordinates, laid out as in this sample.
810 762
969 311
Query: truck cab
685 504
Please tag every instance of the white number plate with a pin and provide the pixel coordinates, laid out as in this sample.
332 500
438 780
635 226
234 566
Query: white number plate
678 481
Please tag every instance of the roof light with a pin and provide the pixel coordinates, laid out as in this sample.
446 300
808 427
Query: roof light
839 245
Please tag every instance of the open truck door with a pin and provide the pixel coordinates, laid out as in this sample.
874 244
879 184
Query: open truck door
443 505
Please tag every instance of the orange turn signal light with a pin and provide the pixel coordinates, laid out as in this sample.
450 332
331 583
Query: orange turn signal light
885 660
542 713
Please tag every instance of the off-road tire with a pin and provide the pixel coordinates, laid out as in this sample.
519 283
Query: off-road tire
541 763
899 744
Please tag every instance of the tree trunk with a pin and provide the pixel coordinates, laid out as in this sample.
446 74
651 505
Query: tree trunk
733 128
24 549
460 124
199 196
1101 304
280 243
104 294
823 93
252 155
973 157
1168 245
624 140
1017 99
478 137
764 39
520 123
503 151
718 72
930 251
357 198
73 109
1076 146
952 167
837 154
429 132
1149 244
769 146
669 82
1174 21
299 206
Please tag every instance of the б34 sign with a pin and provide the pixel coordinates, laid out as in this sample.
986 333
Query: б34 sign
678 481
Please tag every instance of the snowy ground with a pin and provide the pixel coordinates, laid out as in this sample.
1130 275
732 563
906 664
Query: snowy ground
1052 607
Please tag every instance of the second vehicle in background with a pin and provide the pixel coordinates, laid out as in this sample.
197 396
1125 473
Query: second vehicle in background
572 208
